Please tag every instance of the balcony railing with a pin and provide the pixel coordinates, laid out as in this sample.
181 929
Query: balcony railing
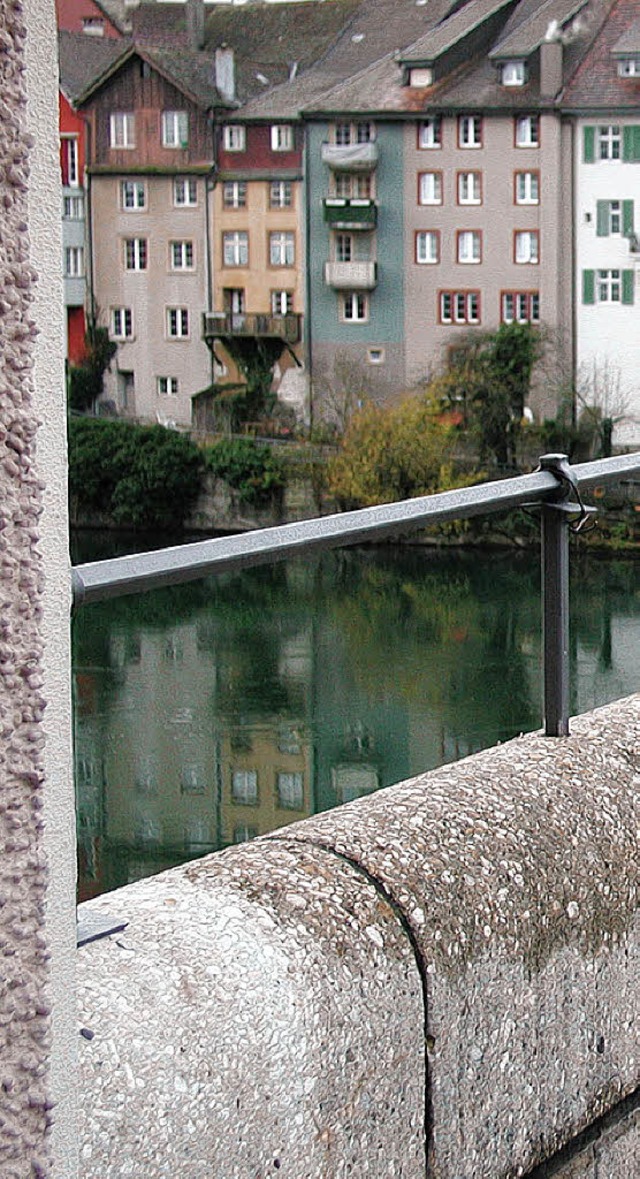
351 276
350 157
218 324
550 487
341 213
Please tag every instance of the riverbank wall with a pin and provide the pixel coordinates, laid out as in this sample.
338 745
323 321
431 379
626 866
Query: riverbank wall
440 979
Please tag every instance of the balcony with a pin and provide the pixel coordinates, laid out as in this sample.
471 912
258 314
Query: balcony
218 324
341 213
350 157
351 276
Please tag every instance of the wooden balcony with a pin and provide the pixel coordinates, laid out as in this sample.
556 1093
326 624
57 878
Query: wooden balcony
341 213
218 324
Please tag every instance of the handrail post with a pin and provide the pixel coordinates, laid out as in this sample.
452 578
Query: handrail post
555 599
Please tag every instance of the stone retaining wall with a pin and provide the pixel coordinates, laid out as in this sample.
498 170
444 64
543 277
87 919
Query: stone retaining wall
440 979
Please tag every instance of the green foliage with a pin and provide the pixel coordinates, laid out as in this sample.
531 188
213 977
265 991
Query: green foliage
255 358
86 380
254 471
140 476
488 383
389 454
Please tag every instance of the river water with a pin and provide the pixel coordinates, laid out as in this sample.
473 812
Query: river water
209 713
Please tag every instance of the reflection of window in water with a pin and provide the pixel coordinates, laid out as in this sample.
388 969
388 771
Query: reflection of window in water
173 650
123 649
288 740
146 777
242 833
295 659
244 787
193 779
197 833
148 830
352 781
89 771
290 791
359 738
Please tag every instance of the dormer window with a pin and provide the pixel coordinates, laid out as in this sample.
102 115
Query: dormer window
514 73
630 68
93 26
422 76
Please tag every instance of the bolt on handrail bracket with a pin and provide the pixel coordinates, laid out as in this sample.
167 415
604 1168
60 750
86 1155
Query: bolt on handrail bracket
556 514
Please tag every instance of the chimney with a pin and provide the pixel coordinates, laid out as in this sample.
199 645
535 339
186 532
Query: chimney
550 68
225 73
195 24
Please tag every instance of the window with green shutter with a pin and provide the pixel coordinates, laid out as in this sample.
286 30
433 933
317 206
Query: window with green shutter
589 145
602 218
631 144
627 217
627 285
588 286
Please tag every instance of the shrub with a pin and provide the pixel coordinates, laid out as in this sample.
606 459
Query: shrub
390 454
254 471
86 380
141 476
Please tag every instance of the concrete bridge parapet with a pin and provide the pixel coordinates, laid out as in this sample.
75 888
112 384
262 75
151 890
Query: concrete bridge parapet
441 979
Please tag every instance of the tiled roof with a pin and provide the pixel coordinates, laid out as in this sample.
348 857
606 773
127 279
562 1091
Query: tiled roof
82 59
453 29
595 84
549 18
629 42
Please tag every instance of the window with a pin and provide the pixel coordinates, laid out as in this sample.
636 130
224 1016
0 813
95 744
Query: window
527 131
69 162
608 286
614 217
234 194
177 323
93 26
352 185
520 307
344 247
73 208
244 787
514 73
469 246
280 194
430 188
185 192
430 133
281 137
427 247
181 255
74 262
168 387
235 249
350 133
629 68
290 791
133 195
122 129
354 307
135 253
469 188
234 301
375 355
527 188
469 131
459 307
526 246
609 142
234 137
175 129
281 249
281 302
122 323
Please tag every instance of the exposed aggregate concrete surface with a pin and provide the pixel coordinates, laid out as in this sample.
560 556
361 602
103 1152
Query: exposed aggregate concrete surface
24 1013
262 1014
267 1009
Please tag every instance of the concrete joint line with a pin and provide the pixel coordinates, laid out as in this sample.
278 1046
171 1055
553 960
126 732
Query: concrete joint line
587 1137
421 967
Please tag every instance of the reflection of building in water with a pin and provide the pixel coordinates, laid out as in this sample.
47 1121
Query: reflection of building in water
146 756
267 777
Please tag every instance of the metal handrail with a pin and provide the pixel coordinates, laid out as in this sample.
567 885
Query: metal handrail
549 487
